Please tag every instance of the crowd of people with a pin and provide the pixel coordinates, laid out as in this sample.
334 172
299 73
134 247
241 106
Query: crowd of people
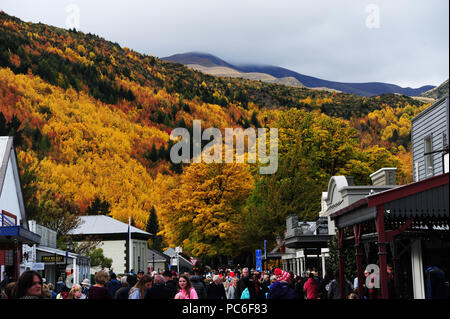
219 284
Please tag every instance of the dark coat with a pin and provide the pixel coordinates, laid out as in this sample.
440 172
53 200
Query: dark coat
60 287
99 293
334 292
113 285
240 287
173 286
281 290
199 286
122 293
158 291
298 287
216 291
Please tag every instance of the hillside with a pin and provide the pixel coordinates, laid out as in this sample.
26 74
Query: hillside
92 120
362 89
437 92
228 72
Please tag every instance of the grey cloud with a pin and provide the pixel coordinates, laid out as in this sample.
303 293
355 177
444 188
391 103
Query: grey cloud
326 39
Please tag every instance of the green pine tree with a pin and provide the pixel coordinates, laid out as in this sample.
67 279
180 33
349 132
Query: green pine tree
153 228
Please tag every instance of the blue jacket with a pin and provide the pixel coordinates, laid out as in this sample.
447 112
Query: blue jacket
280 290
113 285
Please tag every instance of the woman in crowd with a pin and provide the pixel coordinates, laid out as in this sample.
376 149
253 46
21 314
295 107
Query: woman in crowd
99 291
29 286
138 291
76 292
186 291
232 288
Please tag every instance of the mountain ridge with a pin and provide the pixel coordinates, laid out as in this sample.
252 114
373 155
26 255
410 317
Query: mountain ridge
367 89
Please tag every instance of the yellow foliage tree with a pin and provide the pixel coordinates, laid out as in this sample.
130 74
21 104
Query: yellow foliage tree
203 213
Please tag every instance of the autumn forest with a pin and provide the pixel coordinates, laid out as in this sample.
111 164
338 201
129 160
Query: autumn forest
91 123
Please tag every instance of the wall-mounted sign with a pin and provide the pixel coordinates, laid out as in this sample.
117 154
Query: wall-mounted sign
51 259
37 266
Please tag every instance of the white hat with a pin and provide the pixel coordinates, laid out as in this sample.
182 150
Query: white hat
86 282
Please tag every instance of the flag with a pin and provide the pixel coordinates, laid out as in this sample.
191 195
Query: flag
129 245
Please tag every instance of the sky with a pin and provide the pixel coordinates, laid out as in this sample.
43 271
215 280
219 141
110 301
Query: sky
404 42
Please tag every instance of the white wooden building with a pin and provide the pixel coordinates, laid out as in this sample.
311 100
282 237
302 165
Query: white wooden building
14 231
113 237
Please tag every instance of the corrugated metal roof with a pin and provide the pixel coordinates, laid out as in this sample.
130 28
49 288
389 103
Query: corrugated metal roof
4 157
3 142
101 224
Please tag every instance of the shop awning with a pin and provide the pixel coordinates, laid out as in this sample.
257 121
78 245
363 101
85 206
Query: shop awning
426 201
10 234
308 241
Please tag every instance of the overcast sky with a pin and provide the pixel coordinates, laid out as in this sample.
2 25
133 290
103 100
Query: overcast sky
405 42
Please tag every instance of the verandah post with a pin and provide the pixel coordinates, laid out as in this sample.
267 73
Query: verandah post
341 262
382 251
359 256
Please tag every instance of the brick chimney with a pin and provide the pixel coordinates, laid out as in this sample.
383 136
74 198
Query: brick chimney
384 176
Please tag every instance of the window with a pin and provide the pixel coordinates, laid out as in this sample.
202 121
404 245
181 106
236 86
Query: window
428 157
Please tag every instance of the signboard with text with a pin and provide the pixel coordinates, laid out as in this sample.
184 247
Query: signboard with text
51 259
258 260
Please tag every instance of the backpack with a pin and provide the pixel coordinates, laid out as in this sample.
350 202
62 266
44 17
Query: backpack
245 294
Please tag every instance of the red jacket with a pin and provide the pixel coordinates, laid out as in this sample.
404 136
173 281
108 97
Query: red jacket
311 287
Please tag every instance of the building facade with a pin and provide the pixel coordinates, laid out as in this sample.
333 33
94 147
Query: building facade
307 242
52 262
157 261
407 227
430 140
14 230
115 238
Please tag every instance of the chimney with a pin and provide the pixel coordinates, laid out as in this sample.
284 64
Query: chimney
292 222
384 176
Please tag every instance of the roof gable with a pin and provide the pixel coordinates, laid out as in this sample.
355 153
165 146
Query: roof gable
10 177
101 224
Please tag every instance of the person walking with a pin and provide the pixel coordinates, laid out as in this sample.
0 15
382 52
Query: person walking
170 283
99 291
216 289
232 288
29 286
60 286
158 290
122 293
280 288
7 291
242 283
334 290
199 286
5 281
323 293
76 292
138 291
186 291
46 293
113 284
52 290
311 287
85 286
